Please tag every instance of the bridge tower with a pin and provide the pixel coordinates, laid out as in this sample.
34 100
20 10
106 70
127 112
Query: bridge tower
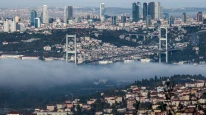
75 47
160 43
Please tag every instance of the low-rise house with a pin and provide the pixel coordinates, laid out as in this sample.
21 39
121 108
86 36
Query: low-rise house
69 105
130 103
50 107
14 113
200 84
109 110
60 106
121 110
118 99
99 113
54 113
91 101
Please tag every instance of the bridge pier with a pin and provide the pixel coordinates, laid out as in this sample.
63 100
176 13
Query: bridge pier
160 43
75 47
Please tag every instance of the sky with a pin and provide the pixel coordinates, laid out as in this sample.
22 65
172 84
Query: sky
36 72
95 3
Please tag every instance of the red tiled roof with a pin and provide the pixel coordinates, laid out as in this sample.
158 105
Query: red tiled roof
13 112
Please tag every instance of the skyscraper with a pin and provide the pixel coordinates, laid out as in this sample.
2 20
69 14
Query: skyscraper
68 13
37 23
102 12
45 16
33 15
145 10
114 20
199 17
157 10
184 17
154 10
123 19
136 11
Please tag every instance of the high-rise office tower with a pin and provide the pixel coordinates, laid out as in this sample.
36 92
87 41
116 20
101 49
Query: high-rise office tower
102 12
136 11
154 10
114 20
123 19
68 13
145 10
184 17
199 17
151 7
33 15
37 23
45 16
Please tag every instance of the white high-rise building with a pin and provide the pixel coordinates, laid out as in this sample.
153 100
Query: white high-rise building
6 26
102 12
68 13
65 14
157 10
45 16
12 26
9 26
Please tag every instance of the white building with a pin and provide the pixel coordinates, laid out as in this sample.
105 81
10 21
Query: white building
157 10
12 26
145 60
45 15
47 48
102 12
9 26
22 27
30 58
6 26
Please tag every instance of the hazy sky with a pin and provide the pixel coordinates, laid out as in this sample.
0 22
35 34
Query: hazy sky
95 3
18 72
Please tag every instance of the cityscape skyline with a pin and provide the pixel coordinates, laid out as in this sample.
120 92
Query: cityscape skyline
94 3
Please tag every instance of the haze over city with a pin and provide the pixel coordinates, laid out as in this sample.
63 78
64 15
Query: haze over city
38 73
95 3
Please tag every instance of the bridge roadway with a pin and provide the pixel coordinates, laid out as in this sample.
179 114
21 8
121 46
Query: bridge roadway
131 53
